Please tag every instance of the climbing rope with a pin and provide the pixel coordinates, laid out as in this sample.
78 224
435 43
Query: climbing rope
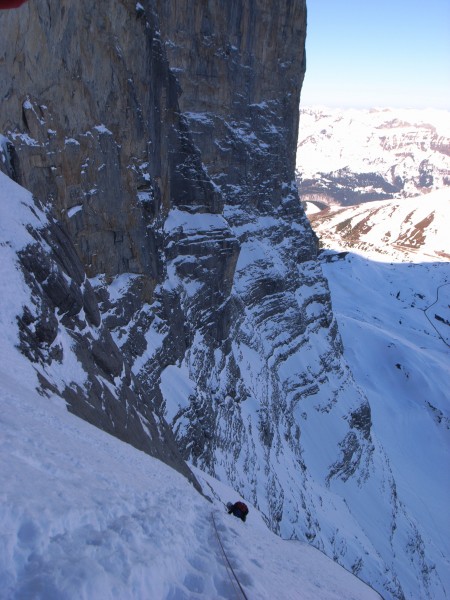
231 574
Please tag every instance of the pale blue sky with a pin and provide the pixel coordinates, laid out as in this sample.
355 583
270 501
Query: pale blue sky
363 53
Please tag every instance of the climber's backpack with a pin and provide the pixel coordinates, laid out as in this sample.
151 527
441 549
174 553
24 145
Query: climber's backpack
11 3
242 507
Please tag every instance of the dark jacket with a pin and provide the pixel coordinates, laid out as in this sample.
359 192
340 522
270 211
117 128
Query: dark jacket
238 509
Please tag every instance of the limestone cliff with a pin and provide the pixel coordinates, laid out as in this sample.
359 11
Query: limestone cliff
163 136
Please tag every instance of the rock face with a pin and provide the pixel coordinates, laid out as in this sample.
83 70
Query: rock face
60 331
241 79
163 136
96 180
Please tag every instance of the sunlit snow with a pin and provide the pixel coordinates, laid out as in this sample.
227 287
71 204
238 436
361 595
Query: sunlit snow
85 516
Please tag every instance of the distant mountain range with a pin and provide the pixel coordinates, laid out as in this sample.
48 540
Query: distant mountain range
346 157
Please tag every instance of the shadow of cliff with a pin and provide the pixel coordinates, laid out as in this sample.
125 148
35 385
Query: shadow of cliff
406 282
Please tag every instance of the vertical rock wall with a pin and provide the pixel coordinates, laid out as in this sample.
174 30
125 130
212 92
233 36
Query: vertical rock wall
89 110
241 68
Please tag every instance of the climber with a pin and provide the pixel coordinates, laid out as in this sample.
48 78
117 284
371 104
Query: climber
238 509
11 3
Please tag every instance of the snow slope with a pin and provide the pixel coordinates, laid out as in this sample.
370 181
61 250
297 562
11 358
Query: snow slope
383 323
414 229
83 515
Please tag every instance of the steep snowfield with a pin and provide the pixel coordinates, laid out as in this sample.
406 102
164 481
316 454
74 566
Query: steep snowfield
392 303
84 516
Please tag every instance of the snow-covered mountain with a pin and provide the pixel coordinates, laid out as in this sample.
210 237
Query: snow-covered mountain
388 267
411 229
351 156
164 281
85 516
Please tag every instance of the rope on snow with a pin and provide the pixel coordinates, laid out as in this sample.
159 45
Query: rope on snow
239 590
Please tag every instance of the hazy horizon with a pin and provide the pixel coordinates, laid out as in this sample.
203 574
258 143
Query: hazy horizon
375 107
